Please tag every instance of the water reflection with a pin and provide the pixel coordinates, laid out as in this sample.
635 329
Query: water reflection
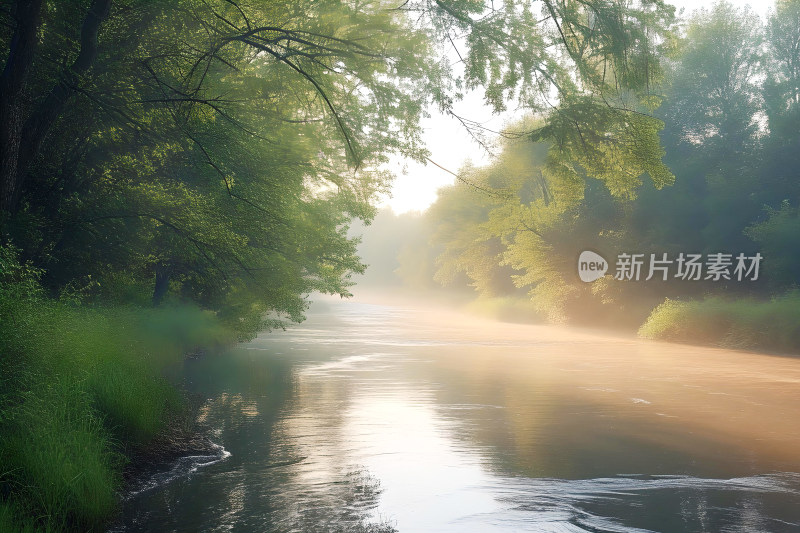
371 418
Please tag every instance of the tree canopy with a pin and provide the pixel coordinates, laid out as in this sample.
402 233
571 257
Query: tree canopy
217 151
729 105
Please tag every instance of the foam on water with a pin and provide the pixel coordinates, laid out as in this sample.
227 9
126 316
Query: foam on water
182 467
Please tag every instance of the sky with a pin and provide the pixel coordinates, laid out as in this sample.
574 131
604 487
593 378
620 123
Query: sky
415 187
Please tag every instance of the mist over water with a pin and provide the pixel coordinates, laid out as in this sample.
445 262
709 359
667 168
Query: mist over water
374 417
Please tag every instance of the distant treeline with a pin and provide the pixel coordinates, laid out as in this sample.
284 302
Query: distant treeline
730 102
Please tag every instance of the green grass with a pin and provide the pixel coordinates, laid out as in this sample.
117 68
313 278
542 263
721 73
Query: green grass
10 516
80 387
62 463
771 325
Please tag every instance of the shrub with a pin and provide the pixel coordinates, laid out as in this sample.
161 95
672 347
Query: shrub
745 323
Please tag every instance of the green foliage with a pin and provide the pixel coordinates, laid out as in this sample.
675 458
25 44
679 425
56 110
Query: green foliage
714 93
589 139
223 162
782 88
19 282
587 68
470 252
59 455
711 110
782 104
744 324
778 238
80 386
225 148
526 50
513 228
528 215
10 520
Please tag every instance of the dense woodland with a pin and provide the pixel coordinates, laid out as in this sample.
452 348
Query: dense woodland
514 229
216 152
176 175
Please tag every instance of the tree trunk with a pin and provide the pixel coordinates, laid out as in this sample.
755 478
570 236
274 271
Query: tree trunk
21 138
12 83
162 284
10 133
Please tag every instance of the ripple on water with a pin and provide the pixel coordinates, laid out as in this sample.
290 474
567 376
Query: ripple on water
183 467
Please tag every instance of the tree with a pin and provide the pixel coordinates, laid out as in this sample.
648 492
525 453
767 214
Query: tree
783 40
712 107
588 68
782 103
471 252
209 145
714 90
777 238
511 228
218 150
22 131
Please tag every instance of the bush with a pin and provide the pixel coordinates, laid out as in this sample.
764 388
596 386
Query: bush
745 323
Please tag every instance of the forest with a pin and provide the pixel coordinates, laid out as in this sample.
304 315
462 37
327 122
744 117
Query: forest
510 233
179 176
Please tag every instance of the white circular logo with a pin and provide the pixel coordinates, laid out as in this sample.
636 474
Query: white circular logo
591 266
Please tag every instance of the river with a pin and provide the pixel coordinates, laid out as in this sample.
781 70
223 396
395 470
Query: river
379 418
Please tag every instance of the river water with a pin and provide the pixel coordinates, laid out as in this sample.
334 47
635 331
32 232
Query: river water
375 418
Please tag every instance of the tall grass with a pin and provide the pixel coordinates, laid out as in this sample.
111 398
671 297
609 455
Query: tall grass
772 325
78 388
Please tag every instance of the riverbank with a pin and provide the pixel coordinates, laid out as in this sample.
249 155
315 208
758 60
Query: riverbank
82 391
745 324
182 435
758 325
86 413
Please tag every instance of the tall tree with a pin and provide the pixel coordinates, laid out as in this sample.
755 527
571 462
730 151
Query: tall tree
712 109
782 102
215 150
588 67
218 150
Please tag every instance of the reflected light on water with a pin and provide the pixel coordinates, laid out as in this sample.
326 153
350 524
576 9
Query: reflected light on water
370 418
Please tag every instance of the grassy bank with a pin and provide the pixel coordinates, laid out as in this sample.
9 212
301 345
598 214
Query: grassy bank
80 388
772 325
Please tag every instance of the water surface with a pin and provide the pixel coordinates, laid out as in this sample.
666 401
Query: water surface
390 418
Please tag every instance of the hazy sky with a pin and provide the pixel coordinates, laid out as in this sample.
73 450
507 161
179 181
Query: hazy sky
450 145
